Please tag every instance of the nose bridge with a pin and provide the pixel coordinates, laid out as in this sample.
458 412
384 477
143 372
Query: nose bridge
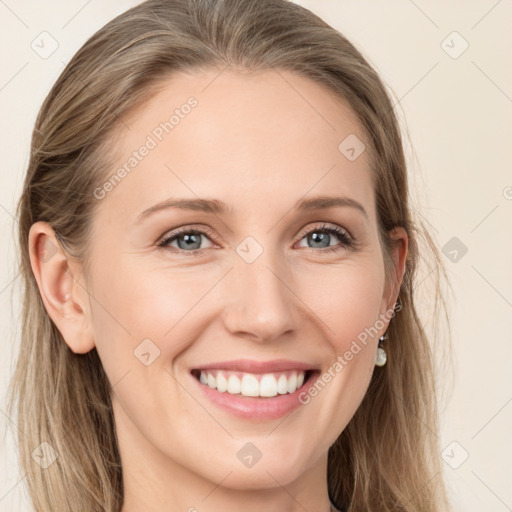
260 302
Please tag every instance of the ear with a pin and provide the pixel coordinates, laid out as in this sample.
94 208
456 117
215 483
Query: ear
399 257
65 298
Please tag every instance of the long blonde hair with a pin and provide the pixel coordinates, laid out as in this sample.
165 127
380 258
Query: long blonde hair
387 458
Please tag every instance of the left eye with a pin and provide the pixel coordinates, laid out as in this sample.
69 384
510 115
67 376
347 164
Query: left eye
313 236
186 239
191 239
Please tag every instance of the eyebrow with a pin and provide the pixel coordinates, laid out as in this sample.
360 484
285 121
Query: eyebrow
217 207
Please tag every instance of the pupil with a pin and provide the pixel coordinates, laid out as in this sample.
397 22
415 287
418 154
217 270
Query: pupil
316 237
189 239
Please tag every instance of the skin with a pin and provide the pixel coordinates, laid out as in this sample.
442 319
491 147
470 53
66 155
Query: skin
257 144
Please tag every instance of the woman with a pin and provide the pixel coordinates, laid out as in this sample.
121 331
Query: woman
219 258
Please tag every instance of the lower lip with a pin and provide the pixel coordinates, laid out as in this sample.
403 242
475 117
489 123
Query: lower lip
256 408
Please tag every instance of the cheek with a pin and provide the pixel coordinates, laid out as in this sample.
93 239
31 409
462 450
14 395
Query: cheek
350 309
139 303
137 312
347 299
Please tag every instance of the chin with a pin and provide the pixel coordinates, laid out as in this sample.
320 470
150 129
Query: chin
258 477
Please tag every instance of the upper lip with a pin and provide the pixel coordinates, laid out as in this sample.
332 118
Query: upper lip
253 366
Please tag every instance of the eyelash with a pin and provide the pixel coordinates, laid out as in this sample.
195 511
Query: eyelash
347 241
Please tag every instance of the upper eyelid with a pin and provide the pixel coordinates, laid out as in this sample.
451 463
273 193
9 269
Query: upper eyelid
326 226
185 229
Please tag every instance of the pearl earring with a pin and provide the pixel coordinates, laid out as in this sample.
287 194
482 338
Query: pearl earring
381 357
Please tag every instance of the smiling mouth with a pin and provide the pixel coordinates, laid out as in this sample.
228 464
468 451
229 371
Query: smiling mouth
257 385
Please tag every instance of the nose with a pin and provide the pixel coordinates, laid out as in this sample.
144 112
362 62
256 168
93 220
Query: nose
261 304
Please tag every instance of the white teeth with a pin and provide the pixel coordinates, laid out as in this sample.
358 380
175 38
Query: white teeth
250 385
282 385
222 383
267 385
234 385
292 383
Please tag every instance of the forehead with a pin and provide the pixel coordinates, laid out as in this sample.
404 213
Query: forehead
266 136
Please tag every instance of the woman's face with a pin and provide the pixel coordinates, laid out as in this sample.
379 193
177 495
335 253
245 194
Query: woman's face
253 276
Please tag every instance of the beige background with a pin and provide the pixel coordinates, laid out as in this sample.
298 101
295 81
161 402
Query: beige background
458 116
